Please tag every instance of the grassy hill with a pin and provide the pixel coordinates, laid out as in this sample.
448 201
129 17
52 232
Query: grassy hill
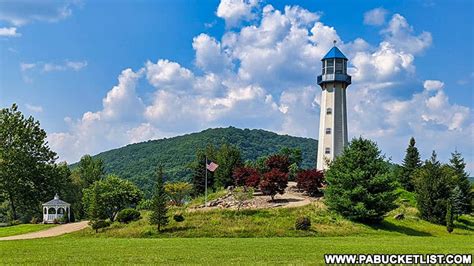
137 162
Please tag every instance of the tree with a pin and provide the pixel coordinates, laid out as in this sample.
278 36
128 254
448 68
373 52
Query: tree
433 186
199 170
294 156
457 201
462 181
159 215
106 197
310 181
178 192
90 170
279 162
274 182
246 176
449 217
411 162
26 163
359 184
241 194
228 158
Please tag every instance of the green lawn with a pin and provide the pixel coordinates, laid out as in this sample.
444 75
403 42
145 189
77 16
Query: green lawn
23 229
308 250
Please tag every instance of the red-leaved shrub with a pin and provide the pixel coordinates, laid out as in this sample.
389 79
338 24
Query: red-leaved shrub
246 176
279 162
274 182
310 181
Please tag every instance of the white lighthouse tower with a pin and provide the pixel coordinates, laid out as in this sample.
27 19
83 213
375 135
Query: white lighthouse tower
333 119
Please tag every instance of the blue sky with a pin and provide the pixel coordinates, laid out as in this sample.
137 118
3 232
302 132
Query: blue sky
103 74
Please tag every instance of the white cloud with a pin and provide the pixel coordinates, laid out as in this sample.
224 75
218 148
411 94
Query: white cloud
34 108
375 16
9 32
21 12
67 65
235 11
27 66
263 76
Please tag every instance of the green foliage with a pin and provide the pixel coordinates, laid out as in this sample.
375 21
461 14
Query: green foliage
178 192
449 218
303 223
137 162
433 185
99 224
198 167
106 197
159 216
242 194
90 170
144 204
294 155
228 158
128 215
28 174
411 163
360 186
462 182
274 182
178 217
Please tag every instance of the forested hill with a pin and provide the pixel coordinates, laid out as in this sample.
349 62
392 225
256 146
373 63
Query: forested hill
138 161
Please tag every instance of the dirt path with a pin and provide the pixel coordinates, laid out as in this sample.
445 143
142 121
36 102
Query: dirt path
55 231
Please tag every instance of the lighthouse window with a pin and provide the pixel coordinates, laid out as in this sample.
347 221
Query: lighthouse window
328 130
327 151
330 67
329 111
324 67
339 66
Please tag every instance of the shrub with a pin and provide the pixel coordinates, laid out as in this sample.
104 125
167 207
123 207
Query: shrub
241 194
310 181
178 192
14 222
279 162
99 224
246 176
56 221
303 223
449 218
274 182
178 217
34 220
128 215
144 205
360 186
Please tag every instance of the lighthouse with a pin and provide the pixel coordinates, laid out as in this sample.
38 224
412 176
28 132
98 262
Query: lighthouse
333 118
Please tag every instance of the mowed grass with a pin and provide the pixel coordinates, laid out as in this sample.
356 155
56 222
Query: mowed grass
309 250
23 229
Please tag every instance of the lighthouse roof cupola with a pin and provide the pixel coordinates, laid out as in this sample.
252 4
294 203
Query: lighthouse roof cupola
334 67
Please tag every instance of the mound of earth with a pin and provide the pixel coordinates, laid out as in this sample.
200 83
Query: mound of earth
291 198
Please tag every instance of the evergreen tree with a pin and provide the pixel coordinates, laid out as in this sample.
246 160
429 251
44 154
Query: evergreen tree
411 162
159 215
462 181
433 185
228 158
458 201
360 186
449 217
199 170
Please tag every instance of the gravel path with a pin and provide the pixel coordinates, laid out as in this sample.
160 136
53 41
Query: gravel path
54 231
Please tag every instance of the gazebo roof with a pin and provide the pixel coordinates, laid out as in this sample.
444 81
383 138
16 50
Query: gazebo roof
55 201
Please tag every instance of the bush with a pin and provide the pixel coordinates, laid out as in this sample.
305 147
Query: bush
178 217
279 162
360 186
241 194
144 205
128 215
274 182
303 223
99 224
56 221
178 192
246 176
310 181
34 220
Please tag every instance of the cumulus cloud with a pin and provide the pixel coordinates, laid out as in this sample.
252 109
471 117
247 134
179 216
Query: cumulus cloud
375 16
235 11
34 108
21 12
9 32
262 75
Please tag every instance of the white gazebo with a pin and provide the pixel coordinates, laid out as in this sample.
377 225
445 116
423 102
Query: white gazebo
55 209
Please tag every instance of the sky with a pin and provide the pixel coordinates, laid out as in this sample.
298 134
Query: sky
102 74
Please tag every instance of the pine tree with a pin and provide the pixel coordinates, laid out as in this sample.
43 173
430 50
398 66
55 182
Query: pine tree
159 216
360 186
433 186
411 162
449 218
228 158
458 201
462 181
199 170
